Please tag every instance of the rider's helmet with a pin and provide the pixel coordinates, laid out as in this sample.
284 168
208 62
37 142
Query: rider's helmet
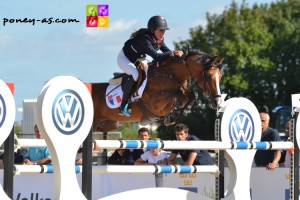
157 22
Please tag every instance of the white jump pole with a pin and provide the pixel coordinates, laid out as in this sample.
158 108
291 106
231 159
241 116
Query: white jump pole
64 115
31 143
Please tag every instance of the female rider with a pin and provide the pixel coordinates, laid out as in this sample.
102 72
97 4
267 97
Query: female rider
145 41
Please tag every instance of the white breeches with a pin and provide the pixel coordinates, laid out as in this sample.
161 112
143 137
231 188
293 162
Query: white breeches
127 66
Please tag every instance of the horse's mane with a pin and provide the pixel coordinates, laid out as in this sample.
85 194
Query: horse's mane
196 52
172 59
202 58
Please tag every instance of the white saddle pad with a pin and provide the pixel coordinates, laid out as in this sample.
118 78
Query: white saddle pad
114 94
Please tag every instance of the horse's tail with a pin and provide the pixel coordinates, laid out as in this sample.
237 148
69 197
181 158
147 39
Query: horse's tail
99 89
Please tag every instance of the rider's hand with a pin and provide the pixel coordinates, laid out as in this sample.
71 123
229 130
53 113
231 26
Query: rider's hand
178 53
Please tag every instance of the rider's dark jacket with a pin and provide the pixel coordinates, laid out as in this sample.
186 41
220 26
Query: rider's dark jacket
143 44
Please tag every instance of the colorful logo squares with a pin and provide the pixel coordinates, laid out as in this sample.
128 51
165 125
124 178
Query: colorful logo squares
97 16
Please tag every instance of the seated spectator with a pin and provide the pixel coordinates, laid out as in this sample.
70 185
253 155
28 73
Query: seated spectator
37 155
268 159
190 157
156 157
19 153
153 156
78 159
143 134
121 157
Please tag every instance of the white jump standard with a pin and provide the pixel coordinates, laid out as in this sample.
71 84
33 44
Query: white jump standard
64 116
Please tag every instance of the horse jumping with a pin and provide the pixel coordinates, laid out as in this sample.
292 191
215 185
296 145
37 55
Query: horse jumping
165 89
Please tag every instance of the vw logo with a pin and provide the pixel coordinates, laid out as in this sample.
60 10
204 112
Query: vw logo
2 110
68 112
241 126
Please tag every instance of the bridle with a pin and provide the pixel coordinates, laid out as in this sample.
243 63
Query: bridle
206 78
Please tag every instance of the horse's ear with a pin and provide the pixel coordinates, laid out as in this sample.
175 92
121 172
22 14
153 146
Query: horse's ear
220 61
213 59
188 48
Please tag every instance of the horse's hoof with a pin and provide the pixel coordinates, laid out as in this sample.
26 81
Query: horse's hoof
168 122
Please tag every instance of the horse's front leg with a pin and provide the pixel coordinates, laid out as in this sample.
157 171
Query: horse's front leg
182 108
193 96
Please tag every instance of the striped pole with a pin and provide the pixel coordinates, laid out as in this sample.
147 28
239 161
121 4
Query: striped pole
18 169
169 145
154 169
188 145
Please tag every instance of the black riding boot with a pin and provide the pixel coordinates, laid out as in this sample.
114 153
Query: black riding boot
124 108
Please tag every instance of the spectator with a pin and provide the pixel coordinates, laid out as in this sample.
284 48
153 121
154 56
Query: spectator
19 153
267 158
78 159
143 134
190 157
156 157
120 154
121 157
37 155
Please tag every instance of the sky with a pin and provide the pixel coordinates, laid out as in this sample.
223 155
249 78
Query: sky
30 55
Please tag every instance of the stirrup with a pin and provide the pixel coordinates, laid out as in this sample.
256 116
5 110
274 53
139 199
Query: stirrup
124 111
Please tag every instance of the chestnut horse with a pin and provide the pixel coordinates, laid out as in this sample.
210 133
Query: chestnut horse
166 87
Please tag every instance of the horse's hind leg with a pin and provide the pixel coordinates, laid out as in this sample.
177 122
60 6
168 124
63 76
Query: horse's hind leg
106 126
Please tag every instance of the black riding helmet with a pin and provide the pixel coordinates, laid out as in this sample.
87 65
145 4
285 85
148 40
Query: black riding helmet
157 22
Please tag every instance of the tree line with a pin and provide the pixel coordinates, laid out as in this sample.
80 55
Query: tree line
260 45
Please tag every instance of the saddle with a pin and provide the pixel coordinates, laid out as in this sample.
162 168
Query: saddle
120 78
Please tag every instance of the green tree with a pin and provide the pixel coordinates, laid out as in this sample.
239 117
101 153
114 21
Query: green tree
199 116
284 24
261 50
18 128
